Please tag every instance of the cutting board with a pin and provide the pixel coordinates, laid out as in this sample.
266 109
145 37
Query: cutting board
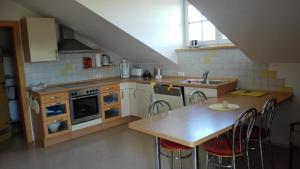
249 93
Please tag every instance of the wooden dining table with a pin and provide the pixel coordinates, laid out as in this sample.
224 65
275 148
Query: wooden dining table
195 124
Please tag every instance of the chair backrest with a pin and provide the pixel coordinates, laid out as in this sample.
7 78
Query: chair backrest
245 121
201 97
268 114
154 107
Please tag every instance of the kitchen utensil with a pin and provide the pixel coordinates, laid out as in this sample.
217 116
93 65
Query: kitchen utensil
147 75
124 69
106 61
53 127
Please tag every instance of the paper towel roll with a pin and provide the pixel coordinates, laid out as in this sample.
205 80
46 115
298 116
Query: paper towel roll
98 60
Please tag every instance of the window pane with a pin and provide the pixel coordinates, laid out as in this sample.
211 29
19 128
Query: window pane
223 36
209 31
193 14
195 31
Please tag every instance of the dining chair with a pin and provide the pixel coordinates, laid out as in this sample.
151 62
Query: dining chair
294 141
154 109
262 132
197 96
237 146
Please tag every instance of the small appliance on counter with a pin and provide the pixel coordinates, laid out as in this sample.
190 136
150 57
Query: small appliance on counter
106 61
147 75
124 69
137 71
157 72
97 60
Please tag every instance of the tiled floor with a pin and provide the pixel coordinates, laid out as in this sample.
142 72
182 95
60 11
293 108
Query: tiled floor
117 148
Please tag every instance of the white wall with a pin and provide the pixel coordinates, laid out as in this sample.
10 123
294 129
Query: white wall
10 10
157 23
290 111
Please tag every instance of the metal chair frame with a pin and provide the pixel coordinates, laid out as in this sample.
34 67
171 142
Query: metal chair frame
238 127
151 110
200 94
265 124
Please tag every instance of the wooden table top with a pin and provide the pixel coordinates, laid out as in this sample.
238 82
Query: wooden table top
196 124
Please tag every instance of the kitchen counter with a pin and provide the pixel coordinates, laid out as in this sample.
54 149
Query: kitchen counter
167 80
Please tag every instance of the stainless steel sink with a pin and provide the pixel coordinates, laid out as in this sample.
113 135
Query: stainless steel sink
201 81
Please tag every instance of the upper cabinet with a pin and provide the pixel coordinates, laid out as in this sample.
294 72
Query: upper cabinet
39 39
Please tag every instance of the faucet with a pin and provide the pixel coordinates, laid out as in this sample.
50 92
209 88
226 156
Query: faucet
205 75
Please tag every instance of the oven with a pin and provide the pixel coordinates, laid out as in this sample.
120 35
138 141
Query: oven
85 105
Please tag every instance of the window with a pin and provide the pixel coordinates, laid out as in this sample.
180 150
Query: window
198 27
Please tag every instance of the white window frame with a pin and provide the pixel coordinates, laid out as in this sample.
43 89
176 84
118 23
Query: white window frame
218 41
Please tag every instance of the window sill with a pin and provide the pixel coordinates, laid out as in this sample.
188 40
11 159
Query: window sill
207 48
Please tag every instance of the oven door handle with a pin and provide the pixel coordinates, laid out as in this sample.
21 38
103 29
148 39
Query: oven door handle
82 97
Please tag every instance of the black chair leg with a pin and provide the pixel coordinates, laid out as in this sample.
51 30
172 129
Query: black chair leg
291 157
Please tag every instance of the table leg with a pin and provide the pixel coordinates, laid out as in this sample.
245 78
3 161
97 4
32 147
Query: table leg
157 153
195 154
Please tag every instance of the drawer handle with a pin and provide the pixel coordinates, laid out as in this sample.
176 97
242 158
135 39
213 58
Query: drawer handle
54 97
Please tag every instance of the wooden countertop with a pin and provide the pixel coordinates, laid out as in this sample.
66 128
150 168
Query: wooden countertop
196 124
65 87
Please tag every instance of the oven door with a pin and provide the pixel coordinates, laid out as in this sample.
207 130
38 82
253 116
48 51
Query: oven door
84 108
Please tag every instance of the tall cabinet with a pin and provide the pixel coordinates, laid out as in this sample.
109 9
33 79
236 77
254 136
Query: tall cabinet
39 39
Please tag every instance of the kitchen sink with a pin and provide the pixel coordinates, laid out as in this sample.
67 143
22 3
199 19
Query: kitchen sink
201 81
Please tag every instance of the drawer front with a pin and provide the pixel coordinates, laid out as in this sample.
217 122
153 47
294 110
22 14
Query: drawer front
109 88
110 98
111 112
59 109
57 127
50 98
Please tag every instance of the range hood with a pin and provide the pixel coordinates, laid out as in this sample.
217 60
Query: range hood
67 42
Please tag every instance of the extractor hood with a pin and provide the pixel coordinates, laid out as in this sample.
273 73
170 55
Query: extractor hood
67 42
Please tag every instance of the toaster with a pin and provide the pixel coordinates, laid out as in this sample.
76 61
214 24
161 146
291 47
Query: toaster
137 71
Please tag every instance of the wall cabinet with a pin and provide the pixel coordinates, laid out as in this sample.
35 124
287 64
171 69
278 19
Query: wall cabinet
39 39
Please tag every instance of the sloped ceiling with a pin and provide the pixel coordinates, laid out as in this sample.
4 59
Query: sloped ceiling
265 30
96 29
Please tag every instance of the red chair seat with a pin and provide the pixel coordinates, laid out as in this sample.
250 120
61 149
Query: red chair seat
222 147
172 145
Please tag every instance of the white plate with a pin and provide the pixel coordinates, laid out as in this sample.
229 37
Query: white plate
220 107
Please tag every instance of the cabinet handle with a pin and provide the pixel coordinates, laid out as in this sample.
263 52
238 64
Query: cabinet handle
122 94
134 94
54 97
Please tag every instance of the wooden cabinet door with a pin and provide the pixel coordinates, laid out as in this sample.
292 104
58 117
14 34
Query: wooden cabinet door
125 102
39 39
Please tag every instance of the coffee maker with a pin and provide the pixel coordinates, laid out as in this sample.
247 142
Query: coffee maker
124 69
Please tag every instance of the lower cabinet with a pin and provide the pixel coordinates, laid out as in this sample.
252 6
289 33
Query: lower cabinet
135 99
